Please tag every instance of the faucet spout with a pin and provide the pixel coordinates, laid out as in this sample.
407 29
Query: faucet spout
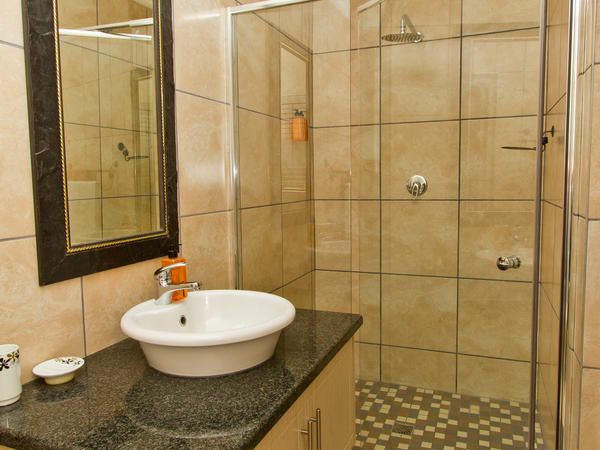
166 298
163 278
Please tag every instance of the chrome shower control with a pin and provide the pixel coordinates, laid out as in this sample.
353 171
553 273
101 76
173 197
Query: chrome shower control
416 186
508 262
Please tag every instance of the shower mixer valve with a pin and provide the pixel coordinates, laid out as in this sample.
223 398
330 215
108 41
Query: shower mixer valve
416 186
508 262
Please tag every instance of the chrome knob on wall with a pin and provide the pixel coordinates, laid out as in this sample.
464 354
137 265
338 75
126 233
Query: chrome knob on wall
416 186
508 262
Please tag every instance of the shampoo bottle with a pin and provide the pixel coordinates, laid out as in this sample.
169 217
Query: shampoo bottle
178 275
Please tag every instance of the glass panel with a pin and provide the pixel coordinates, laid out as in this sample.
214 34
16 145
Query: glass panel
110 126
273 113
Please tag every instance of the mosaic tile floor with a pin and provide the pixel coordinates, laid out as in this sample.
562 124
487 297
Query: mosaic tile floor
390 416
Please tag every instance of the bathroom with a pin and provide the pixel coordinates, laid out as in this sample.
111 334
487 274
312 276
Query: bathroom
408 187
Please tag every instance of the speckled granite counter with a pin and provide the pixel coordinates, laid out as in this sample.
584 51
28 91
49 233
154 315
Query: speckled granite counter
118 402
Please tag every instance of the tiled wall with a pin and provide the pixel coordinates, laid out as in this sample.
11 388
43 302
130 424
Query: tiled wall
274 188
82 315
438 313
583 339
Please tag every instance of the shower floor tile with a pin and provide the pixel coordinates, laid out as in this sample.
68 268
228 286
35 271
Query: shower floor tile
391 416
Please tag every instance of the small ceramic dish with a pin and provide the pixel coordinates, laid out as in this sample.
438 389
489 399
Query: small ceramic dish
58 370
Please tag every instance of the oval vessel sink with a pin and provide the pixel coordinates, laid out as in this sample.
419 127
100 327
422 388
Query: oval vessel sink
210 332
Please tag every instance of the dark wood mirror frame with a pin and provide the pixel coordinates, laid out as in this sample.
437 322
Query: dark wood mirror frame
57 260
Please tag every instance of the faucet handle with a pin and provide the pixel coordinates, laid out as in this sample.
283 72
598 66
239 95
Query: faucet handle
163 274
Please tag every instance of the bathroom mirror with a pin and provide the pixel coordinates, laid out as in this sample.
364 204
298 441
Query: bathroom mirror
101 102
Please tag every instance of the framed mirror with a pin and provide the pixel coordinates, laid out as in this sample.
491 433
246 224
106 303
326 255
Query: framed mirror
101 105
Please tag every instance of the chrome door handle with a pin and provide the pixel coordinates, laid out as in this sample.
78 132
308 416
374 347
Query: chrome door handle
309 432
319 424
508 262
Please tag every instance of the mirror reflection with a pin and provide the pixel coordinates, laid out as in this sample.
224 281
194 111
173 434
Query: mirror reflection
109 107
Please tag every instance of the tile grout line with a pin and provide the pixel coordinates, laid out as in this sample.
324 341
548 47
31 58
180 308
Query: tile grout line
11 44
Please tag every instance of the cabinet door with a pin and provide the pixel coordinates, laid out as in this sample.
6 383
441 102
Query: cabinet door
334 395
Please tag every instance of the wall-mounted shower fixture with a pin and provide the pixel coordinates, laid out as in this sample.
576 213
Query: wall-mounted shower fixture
544 141
416 186
123 149
408 33
508 262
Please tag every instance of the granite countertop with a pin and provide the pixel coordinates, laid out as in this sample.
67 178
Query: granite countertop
118 402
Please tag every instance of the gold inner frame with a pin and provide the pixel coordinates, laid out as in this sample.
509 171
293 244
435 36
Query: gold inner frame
114 242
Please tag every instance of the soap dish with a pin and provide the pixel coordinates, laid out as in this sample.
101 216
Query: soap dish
58 370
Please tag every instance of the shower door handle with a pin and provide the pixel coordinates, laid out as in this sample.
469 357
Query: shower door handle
508 262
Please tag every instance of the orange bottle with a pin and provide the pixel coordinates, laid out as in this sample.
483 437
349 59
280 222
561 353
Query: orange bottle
178 275
299 127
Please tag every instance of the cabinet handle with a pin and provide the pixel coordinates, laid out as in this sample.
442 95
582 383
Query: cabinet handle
319 423
308 432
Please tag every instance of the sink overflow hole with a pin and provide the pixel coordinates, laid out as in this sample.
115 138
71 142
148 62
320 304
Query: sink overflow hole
182 321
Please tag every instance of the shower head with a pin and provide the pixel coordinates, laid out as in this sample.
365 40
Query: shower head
408 33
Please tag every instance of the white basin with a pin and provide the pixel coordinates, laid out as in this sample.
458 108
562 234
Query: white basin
209 333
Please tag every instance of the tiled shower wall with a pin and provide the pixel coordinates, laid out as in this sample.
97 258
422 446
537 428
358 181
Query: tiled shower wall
81 316
275 218
438 313
582 382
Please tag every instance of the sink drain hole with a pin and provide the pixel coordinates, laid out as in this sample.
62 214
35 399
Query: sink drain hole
182 321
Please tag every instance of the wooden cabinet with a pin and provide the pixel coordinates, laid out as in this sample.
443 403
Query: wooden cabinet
327 406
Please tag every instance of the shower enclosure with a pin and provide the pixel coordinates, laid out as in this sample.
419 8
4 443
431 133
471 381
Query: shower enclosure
415 201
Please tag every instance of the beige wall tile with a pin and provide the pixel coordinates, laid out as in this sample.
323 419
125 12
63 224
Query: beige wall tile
332 163
84 174
365 162
295 170
331 89
365 236
551 253
77 13
366 287
500 74
331 25
108 295
260 159
300 292
591 334
85 221
297 232
590 409
432 370
427 149
557 52
11 26
15 163
364 26
419 312
202 155
368 361
201 29
333 291
206 243
484 16
495 378
488 171
365 86
594 188
489 230
494 319
258 47
262 248
420 82
44 321
297 22
419 237
436 19
332 234
548 341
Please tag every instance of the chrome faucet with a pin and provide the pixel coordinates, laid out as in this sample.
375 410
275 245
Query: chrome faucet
163 278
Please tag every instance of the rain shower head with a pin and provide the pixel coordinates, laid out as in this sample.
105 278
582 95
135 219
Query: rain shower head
408 33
